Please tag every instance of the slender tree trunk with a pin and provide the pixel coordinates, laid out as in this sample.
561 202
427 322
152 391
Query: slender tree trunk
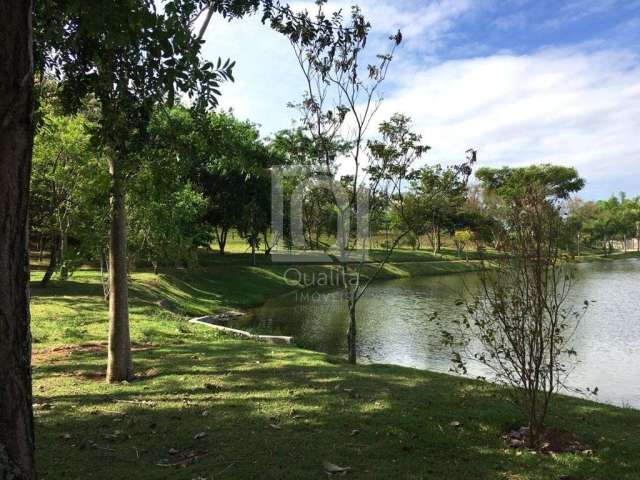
104 267
267 247
222 239
41 248
119 365
433 240
53 261
64 271
16 142
352 334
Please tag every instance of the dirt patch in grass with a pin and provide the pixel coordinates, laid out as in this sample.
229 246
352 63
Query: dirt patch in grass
62 352
553 441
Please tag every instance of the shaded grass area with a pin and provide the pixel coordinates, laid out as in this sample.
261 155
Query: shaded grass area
207 406
246 410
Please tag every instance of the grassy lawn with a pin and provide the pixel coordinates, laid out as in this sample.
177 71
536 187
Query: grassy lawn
253 411
597 256
209 407
73 311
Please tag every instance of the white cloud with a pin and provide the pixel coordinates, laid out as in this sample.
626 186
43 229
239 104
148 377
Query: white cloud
574 10
558 105
576 106
267 75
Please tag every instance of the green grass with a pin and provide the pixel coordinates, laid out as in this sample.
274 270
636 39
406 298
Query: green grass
597 256
74 311
273 412
280 412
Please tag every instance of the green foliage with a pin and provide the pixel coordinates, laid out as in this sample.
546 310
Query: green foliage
557 181
601 222
435 199
69 188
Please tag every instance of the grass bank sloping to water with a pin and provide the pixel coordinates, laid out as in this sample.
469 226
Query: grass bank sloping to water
208 407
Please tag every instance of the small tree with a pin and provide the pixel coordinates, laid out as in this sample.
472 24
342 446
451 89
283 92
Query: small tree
461 238
68 191
340 103
522 316
437 194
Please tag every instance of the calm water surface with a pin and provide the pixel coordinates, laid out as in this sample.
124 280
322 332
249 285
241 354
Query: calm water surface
394 328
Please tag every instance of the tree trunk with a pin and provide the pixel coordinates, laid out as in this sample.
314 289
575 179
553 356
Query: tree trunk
351 334
104 267
41 248
222 239
64 271
253 250
16 142
119 365
53 261
433 241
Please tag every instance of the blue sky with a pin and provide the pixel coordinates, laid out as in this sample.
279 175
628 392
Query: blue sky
523 81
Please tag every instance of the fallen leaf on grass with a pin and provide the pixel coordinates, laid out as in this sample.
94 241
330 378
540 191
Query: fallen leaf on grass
333 469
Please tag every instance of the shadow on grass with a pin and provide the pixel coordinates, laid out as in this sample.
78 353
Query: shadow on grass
264 412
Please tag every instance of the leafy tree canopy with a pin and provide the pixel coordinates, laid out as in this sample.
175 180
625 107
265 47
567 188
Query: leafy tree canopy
555 180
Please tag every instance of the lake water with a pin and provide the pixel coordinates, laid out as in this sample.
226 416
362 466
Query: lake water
394 327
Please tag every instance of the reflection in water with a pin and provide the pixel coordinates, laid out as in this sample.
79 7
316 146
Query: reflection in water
394 326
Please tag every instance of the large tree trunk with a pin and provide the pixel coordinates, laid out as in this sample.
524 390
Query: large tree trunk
119 365
16 142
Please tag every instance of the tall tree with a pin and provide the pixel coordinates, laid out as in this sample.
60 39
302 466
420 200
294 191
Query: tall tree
130 56
16 141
